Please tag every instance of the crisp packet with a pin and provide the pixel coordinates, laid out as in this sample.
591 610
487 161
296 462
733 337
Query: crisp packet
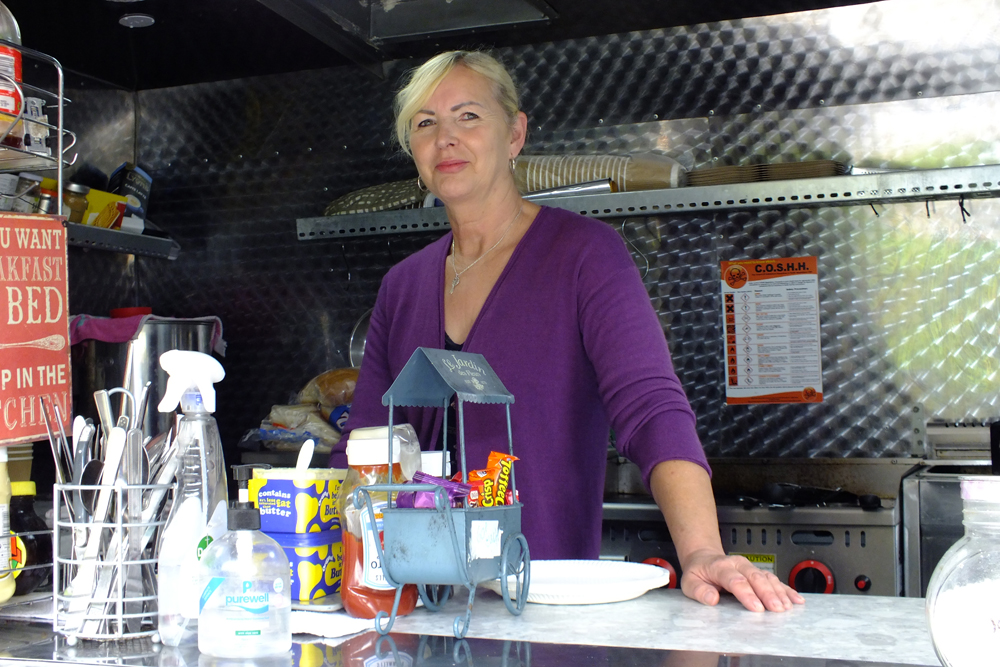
491 487
425 499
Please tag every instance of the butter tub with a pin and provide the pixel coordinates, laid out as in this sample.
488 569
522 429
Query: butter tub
316 562
296 501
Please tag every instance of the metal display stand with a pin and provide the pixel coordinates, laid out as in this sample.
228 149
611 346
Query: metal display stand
447 546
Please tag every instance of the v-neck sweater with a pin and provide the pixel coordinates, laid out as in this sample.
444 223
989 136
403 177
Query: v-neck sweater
570 331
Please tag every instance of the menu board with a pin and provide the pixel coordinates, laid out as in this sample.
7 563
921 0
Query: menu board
770 308
34 326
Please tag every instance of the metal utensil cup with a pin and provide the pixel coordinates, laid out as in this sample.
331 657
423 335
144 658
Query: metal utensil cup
105 607
447 546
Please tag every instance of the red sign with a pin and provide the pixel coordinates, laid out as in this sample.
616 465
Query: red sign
34 326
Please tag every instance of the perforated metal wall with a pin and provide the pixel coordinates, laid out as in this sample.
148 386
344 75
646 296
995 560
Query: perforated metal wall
909 306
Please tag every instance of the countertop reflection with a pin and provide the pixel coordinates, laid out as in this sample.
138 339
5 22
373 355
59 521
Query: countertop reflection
38 645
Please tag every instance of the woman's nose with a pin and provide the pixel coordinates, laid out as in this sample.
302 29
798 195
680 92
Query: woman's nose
445 135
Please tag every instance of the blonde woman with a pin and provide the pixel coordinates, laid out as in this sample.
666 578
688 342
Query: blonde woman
555 304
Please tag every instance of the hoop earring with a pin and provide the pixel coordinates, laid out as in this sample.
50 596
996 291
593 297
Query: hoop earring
513 161
420 185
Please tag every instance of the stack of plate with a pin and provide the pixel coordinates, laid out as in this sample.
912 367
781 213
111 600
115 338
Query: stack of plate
766 172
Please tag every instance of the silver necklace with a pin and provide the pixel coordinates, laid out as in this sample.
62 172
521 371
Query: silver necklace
458 274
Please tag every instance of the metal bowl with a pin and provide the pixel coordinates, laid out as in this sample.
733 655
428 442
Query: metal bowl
358 337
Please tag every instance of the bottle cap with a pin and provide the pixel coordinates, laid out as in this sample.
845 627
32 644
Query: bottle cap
190 373
77 188
22 488
369 446
3 455
242 514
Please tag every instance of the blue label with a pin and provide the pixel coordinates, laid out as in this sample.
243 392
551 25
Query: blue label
213 584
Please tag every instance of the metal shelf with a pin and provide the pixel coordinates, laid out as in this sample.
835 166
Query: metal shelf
856 190
86 236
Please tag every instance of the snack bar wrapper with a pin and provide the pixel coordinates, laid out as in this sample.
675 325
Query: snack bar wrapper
491 487
425 499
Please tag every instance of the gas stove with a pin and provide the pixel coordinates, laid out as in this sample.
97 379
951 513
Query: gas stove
816 540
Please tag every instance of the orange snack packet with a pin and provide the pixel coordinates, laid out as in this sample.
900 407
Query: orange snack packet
491 486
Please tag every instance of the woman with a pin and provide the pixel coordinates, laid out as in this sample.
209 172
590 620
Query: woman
555 304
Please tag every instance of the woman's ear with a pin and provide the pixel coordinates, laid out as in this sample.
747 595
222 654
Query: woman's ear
518 133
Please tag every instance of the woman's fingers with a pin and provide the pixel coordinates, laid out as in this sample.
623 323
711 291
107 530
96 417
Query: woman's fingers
756 589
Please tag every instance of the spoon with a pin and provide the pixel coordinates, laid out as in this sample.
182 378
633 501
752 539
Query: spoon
305 455
91 477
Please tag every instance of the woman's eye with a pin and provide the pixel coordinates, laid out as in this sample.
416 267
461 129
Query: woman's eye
468 115
426 122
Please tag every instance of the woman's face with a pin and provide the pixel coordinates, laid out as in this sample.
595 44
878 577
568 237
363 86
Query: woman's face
461 140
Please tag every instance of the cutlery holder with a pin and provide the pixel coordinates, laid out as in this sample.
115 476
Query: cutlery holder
104 577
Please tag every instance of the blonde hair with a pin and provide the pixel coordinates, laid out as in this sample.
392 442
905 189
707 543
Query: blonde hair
422 81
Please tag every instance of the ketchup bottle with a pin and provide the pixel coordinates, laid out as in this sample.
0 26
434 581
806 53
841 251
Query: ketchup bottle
363 588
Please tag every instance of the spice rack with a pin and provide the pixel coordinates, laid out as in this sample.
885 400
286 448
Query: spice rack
20 159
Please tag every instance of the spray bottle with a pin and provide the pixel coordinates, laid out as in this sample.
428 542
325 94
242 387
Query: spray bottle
198 514
245 583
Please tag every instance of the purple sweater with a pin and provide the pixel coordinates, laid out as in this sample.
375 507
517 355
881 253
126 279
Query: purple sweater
570 331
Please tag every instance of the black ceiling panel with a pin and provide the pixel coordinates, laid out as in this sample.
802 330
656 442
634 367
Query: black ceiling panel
194 41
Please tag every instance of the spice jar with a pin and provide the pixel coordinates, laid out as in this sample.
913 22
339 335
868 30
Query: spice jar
363 587
32 552
47 202
962 592
75 202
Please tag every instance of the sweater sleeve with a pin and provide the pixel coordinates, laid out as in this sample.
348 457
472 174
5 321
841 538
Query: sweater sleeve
645 402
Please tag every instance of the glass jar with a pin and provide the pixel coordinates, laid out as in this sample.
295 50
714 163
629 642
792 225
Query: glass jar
363 588
75 202
961 596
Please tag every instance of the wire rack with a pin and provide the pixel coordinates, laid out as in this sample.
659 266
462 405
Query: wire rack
105 587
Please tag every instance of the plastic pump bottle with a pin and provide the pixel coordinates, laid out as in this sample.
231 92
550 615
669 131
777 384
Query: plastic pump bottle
245 585
198 515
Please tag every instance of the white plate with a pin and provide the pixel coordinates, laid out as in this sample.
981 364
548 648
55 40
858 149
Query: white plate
588 581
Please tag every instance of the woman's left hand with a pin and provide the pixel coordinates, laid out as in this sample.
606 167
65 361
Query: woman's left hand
706 573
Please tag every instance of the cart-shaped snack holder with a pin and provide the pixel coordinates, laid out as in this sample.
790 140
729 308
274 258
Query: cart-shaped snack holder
436 548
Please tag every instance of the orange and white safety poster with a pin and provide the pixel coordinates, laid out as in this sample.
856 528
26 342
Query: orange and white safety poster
34 345
771 312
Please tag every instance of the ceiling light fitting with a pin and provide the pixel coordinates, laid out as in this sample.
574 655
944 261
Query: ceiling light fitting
136 20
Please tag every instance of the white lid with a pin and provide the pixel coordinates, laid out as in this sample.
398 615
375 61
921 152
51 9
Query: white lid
369 446
3 455
980 487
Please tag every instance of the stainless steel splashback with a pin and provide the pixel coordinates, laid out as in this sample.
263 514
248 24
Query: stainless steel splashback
908 293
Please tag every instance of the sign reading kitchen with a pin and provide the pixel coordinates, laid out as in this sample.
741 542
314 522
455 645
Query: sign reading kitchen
771 312
34 354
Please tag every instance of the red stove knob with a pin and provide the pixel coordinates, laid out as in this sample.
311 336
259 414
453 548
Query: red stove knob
665 564
811 576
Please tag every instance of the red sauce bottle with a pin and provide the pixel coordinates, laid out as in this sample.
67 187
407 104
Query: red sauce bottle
362 587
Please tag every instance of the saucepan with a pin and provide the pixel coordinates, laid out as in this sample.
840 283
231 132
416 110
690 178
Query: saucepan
358 337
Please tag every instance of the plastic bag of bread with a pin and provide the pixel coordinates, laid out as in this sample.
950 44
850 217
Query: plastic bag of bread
330 389
304 420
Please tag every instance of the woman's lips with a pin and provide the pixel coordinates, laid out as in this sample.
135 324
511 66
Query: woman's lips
451 166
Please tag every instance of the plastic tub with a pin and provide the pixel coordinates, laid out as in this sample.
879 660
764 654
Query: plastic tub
316 561
297 501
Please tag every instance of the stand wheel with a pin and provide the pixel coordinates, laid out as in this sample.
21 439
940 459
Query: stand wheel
515 567
434 596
